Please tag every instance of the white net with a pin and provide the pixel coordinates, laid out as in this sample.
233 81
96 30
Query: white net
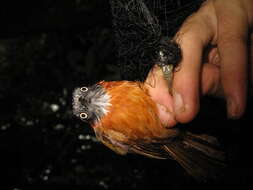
171 13
139 27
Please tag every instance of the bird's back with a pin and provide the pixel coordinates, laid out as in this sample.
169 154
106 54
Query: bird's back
133 113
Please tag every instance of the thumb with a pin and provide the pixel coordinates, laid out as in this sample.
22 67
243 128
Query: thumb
186 80
192 37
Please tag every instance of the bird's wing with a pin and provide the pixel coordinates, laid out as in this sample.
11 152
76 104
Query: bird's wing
121 144
112 139
199 155
152 150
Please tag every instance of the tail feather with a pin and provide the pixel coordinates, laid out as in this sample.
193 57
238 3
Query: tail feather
199 155
208 145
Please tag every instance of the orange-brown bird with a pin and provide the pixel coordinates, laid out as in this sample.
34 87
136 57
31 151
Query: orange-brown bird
125 119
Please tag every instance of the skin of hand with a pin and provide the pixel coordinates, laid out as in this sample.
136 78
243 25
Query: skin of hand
159 92
216 44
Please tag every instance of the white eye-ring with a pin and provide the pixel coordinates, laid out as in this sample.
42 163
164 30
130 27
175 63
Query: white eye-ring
84 89
83 115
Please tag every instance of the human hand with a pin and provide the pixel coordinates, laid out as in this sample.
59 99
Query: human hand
225 26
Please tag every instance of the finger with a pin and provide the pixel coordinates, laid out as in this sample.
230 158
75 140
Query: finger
210 74
186 81
192 38
210 80
158 90
251 63
232 46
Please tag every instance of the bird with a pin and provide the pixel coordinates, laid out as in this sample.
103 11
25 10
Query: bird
125 119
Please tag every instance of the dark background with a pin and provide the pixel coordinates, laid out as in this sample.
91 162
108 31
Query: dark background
47 48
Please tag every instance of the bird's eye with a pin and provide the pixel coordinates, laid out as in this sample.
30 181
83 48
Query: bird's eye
83 115
84 89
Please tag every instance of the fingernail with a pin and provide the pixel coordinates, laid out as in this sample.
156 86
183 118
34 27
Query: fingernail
178 103
171 122
232 110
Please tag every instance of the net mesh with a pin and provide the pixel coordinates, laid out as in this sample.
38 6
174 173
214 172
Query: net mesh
140 25
171 13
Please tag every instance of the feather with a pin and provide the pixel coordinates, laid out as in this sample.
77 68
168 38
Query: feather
199 156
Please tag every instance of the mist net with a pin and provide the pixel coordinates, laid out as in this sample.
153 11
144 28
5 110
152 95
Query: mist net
143 28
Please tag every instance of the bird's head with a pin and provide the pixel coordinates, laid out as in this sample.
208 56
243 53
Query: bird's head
90 104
